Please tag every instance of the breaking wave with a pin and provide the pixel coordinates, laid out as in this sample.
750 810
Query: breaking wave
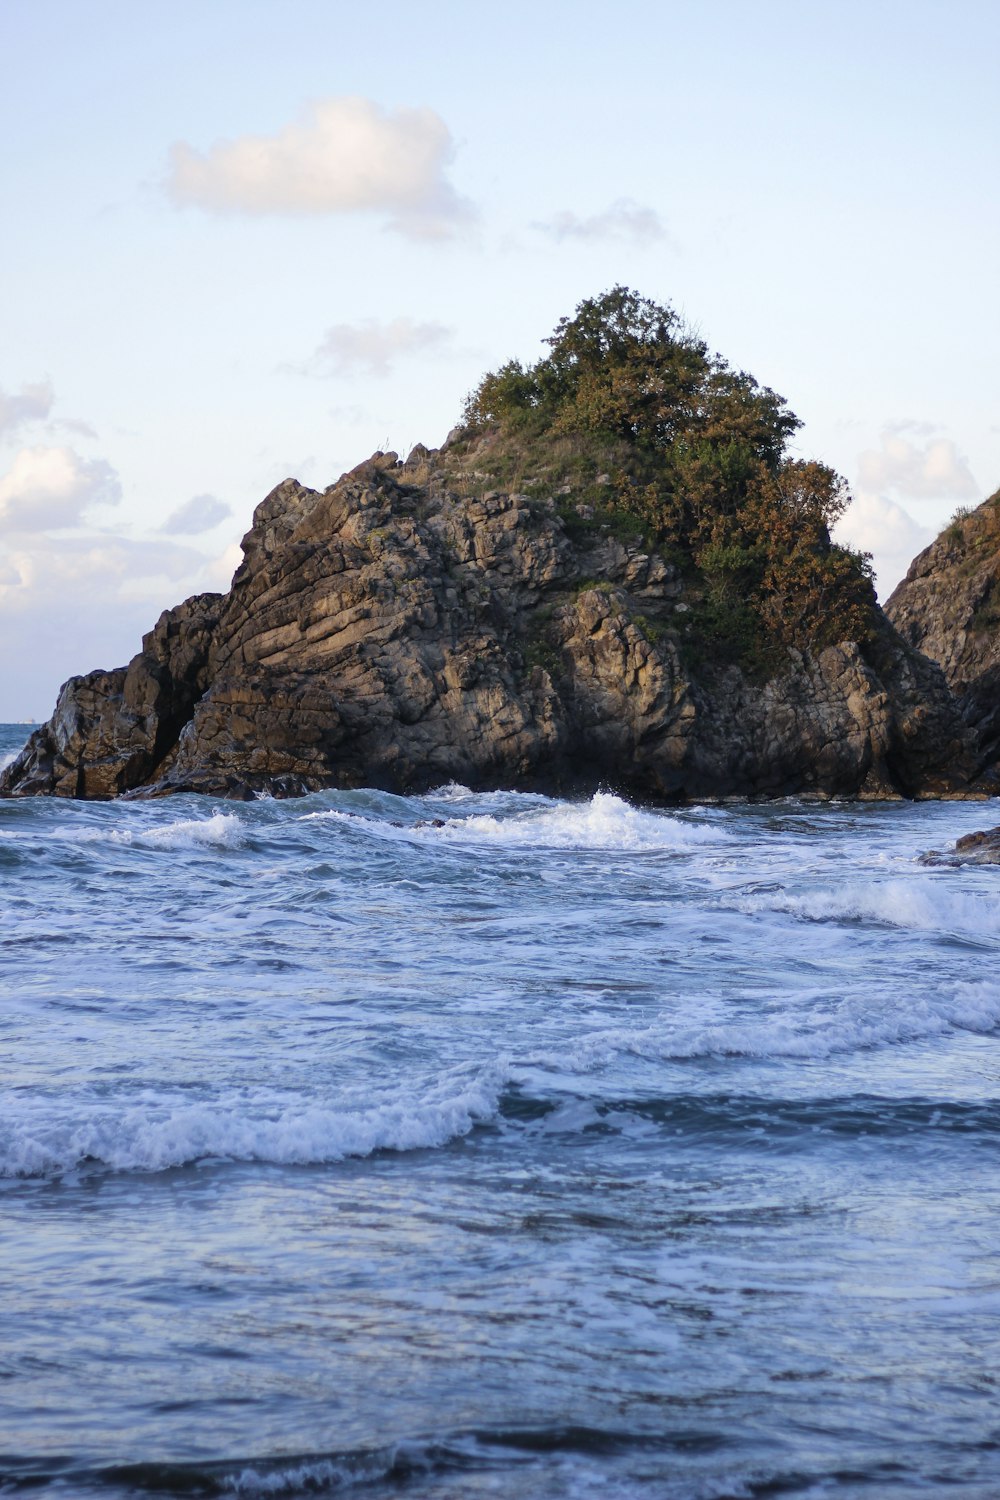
760 1117
814 1036
575 1457
218 831
606 822
156 1135
918 906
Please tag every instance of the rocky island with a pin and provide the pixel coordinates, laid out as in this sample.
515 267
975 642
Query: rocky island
611 575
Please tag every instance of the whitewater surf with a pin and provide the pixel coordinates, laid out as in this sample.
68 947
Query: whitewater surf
497 1145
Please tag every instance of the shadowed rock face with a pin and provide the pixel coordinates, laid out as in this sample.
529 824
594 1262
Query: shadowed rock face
948 607
394 631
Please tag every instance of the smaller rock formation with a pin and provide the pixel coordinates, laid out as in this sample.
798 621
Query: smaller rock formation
112 731
948 607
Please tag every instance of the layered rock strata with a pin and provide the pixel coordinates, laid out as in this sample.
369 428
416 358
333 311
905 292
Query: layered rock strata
401 630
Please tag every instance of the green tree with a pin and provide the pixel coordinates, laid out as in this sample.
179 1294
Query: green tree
702 463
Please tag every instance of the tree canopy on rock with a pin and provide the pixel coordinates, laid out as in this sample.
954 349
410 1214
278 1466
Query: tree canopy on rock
700 458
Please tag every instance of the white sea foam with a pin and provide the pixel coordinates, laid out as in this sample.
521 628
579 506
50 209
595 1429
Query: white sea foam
8 758
37 1138
969 1007
366 822
394 1462
924 906
452 791
312 1475
606 822
220 831
580 1477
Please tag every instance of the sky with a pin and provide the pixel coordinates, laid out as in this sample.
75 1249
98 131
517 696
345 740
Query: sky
246 240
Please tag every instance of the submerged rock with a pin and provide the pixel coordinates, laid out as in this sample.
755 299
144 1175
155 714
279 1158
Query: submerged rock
983 847
404 628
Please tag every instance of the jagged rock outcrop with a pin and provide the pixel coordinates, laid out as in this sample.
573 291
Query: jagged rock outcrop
402 629
948 607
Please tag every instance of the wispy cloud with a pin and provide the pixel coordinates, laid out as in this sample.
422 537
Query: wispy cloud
622 220
199 514
372 348
72 425
346 155
32 403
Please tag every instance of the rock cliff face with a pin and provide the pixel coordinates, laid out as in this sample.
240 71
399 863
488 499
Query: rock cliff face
948 607
403 628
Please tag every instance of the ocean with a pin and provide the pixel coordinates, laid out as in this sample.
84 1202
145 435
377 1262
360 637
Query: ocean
491 1145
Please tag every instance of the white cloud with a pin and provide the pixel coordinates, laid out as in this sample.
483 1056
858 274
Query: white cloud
52 487
883 528
373 347
72 604
200 513
931 470
913 463
623 220
31 404
347 155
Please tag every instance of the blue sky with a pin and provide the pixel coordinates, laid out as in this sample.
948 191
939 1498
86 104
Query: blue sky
247 240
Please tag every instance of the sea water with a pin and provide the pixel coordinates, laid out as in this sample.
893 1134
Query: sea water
495 1145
